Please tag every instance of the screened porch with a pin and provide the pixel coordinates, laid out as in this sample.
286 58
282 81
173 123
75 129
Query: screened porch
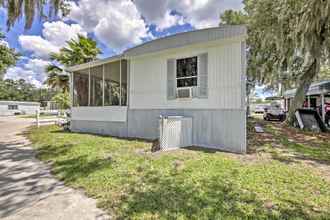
100 85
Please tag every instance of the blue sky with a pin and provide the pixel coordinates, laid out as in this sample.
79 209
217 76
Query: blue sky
114 24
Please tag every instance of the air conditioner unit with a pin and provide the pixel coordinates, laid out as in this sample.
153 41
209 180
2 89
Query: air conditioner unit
184 92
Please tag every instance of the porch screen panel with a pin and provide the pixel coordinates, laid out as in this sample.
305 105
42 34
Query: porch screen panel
96 86
80 88
112 83
124 82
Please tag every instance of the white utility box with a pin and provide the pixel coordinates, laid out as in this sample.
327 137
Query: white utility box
175 132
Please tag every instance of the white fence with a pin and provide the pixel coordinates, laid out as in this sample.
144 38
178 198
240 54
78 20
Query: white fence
54 118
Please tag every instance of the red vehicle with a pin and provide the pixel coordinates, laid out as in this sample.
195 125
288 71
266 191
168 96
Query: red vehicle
327 113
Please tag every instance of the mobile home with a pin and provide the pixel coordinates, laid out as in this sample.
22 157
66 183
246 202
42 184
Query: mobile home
15 107
198 74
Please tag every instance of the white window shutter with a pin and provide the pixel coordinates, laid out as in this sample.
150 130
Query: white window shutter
171 79
203 75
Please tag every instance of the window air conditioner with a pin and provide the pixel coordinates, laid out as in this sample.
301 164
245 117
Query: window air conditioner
184 92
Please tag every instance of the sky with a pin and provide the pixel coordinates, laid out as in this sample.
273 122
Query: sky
115 24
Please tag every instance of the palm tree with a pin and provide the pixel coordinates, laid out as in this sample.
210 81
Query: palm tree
29 9
57 79
76 52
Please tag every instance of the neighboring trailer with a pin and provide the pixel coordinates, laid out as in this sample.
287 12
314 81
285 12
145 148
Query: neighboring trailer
317 97
15 107
199 74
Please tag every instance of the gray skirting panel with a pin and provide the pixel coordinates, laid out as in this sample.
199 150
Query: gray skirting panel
220 129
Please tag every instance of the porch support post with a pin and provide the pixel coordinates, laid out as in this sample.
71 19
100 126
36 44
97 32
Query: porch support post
323 106
89 85
103 85
71 89
309 101
120 83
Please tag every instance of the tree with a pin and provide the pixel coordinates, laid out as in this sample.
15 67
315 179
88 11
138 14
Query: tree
324 73
288 40
30 9
62 99
56 79
8 56
76 52
231 17
20 90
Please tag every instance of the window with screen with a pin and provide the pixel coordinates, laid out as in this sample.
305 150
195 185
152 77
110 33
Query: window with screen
186 72
96 86
81 88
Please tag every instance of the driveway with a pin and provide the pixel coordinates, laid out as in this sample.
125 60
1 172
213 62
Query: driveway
27 189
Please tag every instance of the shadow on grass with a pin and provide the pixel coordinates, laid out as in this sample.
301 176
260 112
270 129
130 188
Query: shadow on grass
172 197
202 149
288 144
62 131
79 167
53 151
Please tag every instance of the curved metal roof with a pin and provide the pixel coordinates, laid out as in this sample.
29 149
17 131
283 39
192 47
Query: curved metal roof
187 38
173 41
315 89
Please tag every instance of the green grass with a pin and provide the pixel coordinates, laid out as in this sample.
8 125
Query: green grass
131 183
292 144
41 116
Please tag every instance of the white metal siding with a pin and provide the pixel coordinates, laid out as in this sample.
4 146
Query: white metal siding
148 78
105 113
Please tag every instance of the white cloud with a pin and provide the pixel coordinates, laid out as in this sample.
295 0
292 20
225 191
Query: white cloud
33 72
158 13
116 23
122 23
36 44
198 13
3 42
55 35
168 21
58 32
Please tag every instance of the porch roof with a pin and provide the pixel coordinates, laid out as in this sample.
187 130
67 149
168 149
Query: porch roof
94 63
318 88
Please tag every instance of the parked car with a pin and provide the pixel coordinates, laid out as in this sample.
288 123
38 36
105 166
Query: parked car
274 112
260 109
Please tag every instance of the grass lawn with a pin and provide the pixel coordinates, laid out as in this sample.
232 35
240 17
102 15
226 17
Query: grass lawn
40 116
131 183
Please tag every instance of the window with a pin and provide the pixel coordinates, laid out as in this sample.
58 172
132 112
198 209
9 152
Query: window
96 86
112 84
80 88
186 72
124 83
12 107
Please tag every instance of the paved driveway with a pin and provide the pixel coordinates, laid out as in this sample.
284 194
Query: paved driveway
27 189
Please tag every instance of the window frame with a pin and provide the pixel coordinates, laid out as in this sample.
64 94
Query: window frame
10 107
186 77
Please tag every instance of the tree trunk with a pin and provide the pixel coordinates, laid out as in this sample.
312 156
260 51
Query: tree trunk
309 72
